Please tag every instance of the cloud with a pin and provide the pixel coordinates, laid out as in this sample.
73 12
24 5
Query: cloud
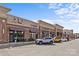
54 5
75 21
62 11
67 24
69 12
67 15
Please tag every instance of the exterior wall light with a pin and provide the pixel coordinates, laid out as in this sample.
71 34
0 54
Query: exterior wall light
3 21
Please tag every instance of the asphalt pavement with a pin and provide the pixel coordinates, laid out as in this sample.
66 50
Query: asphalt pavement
70 48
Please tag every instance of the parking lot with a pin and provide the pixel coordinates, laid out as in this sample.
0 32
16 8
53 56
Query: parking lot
57 49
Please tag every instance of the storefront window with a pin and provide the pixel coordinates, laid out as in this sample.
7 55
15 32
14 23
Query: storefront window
16 36
33 33
57 33
32 36
45 34
52 34
61 34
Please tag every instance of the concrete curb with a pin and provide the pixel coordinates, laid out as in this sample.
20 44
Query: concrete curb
8 45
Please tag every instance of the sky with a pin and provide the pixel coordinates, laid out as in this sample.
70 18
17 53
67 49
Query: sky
65 14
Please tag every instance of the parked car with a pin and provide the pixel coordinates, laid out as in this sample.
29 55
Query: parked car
57 39
63 39
44 40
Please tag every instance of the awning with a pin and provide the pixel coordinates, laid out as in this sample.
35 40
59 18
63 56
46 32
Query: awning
18 28
33 30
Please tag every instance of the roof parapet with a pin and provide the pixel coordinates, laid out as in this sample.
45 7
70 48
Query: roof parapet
4 9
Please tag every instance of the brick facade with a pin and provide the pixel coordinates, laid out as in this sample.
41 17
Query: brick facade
12 26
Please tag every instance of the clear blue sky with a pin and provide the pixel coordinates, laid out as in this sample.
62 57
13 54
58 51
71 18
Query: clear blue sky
65 14
30 11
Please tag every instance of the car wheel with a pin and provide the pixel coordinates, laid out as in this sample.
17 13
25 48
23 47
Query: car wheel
40 42
51 42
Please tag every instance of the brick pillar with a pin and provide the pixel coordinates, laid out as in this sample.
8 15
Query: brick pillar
26 34
3 31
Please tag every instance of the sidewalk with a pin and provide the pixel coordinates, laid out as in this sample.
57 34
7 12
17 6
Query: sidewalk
15 44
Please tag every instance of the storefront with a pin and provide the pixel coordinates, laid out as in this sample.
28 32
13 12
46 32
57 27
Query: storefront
22 29
19 29
45 34
16 34
68 33
59 30
46 29
33 33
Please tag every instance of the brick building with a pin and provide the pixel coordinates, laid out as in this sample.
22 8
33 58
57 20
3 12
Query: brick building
76 35
46 29
59 30
12 27
17 29
68 33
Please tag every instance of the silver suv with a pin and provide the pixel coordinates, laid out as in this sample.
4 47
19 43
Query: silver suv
44 40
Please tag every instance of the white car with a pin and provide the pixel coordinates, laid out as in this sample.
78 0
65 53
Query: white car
63 39
44 40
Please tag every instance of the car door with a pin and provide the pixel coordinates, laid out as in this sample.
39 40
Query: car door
44 40
47 40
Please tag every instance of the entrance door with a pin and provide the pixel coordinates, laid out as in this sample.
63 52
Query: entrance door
33 35
20 36
11 36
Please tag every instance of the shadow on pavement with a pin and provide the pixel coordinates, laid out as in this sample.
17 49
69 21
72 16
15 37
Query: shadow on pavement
46 44
8 45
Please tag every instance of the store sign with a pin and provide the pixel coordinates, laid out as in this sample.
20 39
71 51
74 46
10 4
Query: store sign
20 20
33 30
33 26
17 28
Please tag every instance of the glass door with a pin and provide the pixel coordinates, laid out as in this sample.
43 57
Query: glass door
16 36
11 36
